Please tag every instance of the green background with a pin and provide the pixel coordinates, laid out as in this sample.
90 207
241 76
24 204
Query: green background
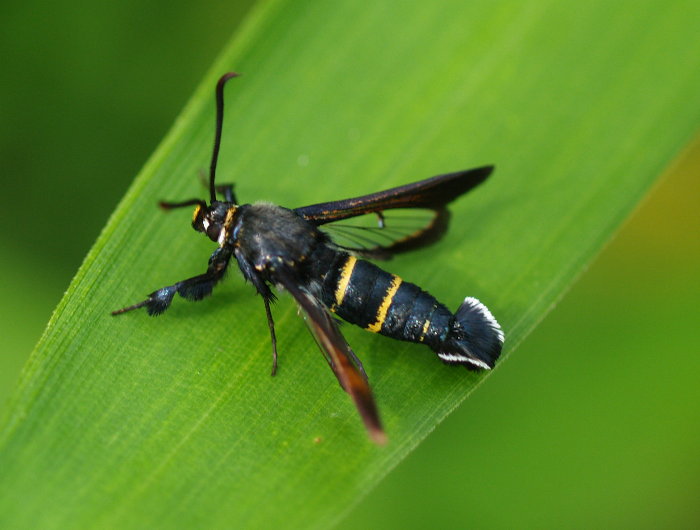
593 421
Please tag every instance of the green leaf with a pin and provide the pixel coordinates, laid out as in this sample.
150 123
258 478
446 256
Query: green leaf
174 421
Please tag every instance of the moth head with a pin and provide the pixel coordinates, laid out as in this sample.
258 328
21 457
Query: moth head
211 220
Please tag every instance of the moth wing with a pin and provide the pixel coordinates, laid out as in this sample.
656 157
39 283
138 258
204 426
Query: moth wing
382 235
433 193
345 365
396 231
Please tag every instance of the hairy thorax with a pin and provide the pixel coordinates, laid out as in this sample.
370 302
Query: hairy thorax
271 234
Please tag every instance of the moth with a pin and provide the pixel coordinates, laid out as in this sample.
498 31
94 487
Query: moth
318 254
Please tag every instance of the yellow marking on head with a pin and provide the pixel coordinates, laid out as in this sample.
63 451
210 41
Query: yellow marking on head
196 213
386 303
425 330
344 280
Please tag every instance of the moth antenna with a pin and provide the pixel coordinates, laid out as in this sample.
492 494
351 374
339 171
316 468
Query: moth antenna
219 126
172 205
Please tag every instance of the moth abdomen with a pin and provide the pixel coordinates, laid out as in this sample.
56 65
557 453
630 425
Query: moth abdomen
363 294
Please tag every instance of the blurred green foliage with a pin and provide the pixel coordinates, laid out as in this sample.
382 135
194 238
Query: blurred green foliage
592 423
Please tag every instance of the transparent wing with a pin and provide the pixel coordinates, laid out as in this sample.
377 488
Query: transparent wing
380 235
404 218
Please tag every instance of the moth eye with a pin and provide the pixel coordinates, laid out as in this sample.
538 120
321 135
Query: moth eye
212 230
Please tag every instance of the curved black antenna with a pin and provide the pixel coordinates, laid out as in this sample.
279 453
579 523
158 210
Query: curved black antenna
219 125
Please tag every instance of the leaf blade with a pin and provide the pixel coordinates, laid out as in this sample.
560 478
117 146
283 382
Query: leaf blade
153 412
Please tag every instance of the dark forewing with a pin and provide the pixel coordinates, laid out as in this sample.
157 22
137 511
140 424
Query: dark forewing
433 193
390 237
339 355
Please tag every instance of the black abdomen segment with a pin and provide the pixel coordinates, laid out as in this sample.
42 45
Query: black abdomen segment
363 294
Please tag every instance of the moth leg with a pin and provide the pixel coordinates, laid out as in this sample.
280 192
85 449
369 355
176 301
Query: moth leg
271 325
194 288
252 275
227 191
